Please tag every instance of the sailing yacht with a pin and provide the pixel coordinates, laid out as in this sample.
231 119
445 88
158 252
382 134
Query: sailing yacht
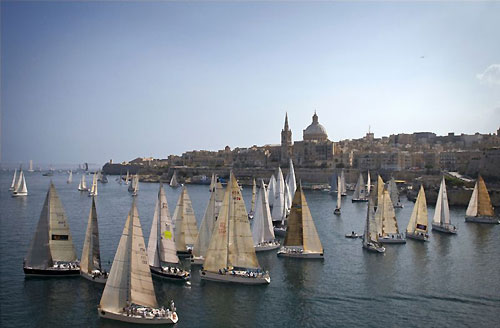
162 254
14 180
393 192
368 183
129 293
480 209
442 221
343 187
70 177
207 224
271 190
360 194
278 212
262 225
82 186
336 211
20 188
173 181
51 252
387 225
186 230
252 208
370 236
90 265
93 188
301 239
135 185
231 255
417 227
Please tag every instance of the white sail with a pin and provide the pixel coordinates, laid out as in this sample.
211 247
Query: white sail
271 188
186 230
83 184
173 181
19 182
161 244
70 177
418 220
91 257
14 180
262 226
339 193
342 181
254 191
212 183
291 183
359 190
31 166
136 184
93 188
442 211
127 178
379 190
371 228
279 198
368 183
385 216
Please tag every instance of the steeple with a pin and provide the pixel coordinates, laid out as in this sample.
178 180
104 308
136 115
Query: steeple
286 142
286 123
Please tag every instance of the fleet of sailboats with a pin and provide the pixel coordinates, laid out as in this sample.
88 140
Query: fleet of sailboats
418 225
262 225
186 229
387 224
480 209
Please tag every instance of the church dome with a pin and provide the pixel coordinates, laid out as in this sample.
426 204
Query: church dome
315 131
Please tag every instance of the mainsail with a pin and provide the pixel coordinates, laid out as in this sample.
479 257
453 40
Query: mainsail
127 178
14 179
271 190
368 183
334 183
279 198
371 227
231 244
186 230
130 277
442 211
359 191
480 202
254 191
91 258
262 226
418 220
393 191
339 195
291 183
379 189
173 180
385 216
343 188
93 189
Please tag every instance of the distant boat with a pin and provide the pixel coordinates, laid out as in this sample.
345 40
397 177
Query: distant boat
262 225
135 184
336 211
129 293
271 190
442 220
368 183
31 166
173 181
207 224
252 206
20 188
49 173
162 254
343 187
418 225
301 238
14 180
93 188
360 194
370 236
82 186
231 255
51 252
186 230
127 178
480 209
90 265
278 212
387 224
70 177
393 192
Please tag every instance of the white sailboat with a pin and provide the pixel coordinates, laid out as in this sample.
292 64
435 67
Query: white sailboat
70 177
231 255
343 187
252 207
20 188
207 224
186 230
127 178
301 239
370 236
173 181
336 211
442 220
418 225
278 212
93 188
262 225
291 183
271 190
135 184
393 192
360 194
129 293
480 209
90 265
51 252
387 224
162 254
14 180
82 186
31 166
368 183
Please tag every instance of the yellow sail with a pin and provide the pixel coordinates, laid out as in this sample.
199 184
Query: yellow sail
419 219
484 202
385 216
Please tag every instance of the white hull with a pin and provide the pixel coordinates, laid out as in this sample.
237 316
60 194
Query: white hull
417 236
83 189
137 319
398 205
482 219
451 229
17 194
373 248
100 280
301 255
261 248
398 239
336 211
230 278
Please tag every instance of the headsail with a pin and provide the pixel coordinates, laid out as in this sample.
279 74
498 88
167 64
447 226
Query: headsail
186 229
91 257
442 211
271 190
291 183
14 179
385 216
279 198
359 191
393 191
418 220
262 226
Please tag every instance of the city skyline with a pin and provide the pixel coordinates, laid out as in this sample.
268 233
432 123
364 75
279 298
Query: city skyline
89 82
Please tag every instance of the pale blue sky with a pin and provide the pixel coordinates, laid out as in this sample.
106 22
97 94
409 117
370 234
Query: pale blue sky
87 81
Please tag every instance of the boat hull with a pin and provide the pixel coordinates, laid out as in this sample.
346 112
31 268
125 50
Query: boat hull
51 272
264 248
186 253
237 279
319 256
359 200
100 280
166 275
336 211
450 229
374 249
350 235
197 260
482 219
17 194
390 240
136 319
417 236
279 231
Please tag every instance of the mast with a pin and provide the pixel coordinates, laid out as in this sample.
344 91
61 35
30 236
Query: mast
91 258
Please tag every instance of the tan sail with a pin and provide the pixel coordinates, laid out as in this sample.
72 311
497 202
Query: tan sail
254 191
91 258
419 219
484 202
311 237
380 189
385 216
186 229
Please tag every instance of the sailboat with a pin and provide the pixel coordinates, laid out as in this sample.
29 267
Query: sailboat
31 166
135 184
336 211
90 265
93 188
186 230
82 186
252 208
291 183
368 183
70 177
207 224
271 190
51 252
360 194
20 188
162 254
129 293
480 209
334 183
387 224
279 211
127 178
262 225
370 236
417 227
442 221
14 180
231 255
393 192
173 181
301 239
343 187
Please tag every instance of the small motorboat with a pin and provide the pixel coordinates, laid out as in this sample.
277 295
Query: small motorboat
352 235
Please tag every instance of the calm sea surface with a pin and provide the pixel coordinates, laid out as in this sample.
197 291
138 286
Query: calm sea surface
449 281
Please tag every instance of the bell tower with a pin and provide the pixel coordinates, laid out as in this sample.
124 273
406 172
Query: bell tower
286 143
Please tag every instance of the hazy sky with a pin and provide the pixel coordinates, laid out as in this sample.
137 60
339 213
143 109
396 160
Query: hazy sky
87 81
